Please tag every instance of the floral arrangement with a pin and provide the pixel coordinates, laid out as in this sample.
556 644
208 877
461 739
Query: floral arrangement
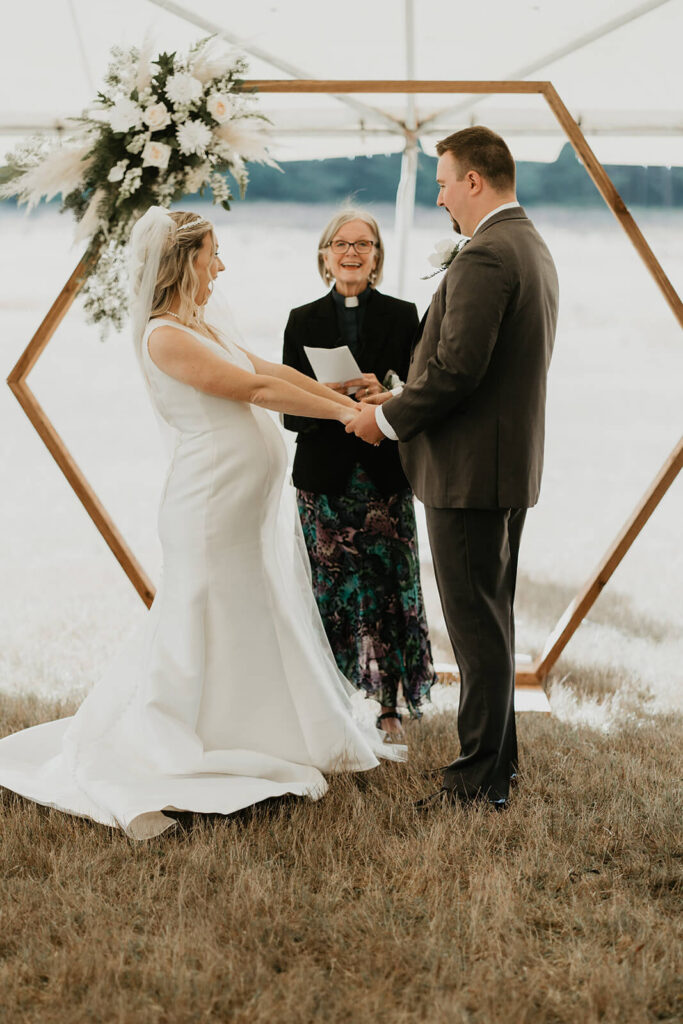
159 130
444 253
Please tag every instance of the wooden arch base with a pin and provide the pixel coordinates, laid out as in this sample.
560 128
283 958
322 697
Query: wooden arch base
570 621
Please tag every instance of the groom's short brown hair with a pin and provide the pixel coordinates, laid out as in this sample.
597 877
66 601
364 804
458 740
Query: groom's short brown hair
481 150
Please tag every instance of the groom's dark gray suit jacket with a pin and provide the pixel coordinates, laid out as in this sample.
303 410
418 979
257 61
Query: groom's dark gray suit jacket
471 419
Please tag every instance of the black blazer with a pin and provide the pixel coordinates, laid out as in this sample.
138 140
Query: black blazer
471 417
325 454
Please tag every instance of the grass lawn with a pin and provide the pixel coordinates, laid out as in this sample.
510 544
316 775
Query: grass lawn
565 908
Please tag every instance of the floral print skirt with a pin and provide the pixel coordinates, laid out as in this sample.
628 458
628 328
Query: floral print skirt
366 579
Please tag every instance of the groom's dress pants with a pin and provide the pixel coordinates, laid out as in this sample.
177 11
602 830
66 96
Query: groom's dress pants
475 555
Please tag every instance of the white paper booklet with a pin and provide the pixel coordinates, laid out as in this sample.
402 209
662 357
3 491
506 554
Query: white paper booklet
333 365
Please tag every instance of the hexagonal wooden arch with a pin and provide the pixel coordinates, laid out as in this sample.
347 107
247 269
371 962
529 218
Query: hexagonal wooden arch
580 605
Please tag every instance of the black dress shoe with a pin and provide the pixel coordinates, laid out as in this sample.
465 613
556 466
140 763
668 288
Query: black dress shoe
442 798
451 798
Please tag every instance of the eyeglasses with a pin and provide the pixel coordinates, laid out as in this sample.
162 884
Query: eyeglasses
339 247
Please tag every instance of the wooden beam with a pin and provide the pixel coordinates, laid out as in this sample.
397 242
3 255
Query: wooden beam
53 317
52 440
399 85
605 187
588 595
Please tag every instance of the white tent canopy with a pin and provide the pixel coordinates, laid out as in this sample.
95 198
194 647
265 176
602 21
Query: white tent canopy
615 63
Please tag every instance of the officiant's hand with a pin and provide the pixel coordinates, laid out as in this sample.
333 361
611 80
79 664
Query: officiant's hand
366 386
378 399
364 425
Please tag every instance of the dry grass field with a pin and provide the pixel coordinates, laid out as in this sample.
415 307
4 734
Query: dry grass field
357 908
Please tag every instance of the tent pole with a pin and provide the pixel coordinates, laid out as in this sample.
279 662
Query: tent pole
405 195
405 208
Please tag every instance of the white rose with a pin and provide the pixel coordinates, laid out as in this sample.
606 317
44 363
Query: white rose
118 170
183 88
125 114
156 154
445 247
436 259
157 116
219 106
194 137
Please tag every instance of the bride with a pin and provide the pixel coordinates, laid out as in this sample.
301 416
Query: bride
229 693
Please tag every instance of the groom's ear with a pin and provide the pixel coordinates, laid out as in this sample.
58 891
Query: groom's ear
475 182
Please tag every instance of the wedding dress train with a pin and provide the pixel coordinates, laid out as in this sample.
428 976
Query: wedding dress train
228 694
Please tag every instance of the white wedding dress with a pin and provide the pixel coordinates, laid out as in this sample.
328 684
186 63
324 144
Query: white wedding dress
229 693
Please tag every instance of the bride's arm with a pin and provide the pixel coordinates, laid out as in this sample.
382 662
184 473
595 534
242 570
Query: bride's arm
183 357
301 380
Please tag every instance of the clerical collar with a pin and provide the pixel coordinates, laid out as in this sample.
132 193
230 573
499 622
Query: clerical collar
351 301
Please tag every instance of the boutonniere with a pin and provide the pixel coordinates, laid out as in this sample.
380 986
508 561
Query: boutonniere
391 380
444 253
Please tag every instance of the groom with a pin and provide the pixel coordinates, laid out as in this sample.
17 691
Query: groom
470 422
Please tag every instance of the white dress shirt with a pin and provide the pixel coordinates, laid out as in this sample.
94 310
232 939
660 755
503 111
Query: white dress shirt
380 418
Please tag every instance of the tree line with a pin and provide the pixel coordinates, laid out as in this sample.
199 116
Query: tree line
375 180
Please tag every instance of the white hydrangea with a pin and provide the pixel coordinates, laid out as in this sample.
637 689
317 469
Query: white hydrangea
194 137
138 142
118 170
131 182
182 88
124 115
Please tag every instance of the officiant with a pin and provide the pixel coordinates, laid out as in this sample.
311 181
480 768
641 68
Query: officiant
355 504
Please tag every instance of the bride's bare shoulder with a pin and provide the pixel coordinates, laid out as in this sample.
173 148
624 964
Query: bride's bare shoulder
168 341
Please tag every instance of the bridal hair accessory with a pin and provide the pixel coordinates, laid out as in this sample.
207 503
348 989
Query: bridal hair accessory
159 129
191 224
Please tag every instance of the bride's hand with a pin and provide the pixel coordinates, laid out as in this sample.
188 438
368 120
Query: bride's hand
347 414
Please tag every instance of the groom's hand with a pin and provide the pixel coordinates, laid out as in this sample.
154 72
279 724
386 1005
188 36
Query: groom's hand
364 425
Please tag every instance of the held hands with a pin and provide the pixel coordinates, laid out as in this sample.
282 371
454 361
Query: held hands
364 424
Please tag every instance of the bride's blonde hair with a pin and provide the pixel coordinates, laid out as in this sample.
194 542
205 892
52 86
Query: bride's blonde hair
177 276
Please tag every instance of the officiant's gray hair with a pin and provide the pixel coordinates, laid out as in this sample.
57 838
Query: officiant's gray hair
341 218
